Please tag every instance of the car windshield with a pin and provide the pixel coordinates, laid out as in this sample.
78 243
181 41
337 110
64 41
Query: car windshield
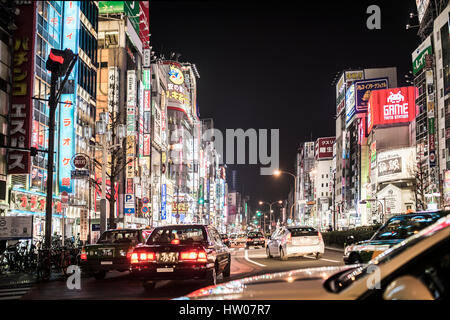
345 279
303 231
184 235
402 227
255 235
119 236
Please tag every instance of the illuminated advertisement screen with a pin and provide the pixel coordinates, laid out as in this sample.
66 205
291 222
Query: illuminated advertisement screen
67 108
390 106
350 109
363 90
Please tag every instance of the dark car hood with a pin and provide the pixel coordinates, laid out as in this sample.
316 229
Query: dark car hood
295 284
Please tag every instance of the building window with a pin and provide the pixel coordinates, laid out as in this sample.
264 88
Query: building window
442 92
443 153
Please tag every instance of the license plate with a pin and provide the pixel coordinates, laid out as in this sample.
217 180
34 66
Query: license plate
167 257
164 269
106 262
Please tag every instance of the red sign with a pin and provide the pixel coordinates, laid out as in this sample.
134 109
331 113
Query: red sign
146 144
64 197
144 24
20 126
389 106
324 148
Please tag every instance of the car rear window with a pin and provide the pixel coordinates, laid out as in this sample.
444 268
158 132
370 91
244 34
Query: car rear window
119 236
303 231
185 235
402 227
255 235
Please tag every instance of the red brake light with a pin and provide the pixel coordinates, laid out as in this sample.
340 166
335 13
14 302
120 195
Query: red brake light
142 257
175 241
199 256
83 254
202 256
188 255
129 253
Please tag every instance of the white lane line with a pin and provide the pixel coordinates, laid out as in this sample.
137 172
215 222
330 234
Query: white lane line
329 260
246 258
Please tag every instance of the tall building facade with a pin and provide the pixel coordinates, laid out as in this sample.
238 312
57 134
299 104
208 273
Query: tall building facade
45 25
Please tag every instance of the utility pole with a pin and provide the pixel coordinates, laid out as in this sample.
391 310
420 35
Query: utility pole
59 63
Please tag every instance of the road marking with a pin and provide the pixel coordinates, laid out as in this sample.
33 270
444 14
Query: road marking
246 258
329 260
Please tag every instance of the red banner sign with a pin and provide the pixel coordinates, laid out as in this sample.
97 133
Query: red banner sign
324 148
21 114
390 106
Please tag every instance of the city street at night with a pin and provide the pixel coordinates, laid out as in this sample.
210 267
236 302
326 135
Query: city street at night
177 152
116 285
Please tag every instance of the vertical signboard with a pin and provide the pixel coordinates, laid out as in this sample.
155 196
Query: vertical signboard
84 224
447 187
429 79
113 89
418 56
69 98
350 105
163 202
21 113
131 130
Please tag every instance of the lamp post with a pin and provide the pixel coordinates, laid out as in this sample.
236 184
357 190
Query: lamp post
101 128
277 173
270 211
383 206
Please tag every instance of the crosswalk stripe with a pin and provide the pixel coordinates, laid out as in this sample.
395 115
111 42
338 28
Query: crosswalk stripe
13 293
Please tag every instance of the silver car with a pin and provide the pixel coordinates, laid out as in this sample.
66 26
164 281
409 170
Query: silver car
295 241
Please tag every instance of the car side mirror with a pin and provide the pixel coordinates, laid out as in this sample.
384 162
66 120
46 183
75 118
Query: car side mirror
407 288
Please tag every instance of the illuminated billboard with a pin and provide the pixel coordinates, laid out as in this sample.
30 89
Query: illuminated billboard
363 88
350 105
391 106
418 56
324 148
395 165
21 113
67 110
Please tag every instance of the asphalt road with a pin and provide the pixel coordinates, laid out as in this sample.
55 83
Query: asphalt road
118 285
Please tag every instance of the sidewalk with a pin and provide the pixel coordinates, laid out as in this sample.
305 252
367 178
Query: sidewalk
14 279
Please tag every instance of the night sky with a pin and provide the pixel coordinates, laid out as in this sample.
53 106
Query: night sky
270 64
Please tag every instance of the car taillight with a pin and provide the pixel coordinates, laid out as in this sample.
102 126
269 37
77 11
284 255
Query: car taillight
175 241
199 256
83 254
142 257
202 256
129 253
134 258
249 239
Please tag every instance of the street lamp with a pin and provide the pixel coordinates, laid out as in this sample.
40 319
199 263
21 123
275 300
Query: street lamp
278 173
270 212
107 138
383 207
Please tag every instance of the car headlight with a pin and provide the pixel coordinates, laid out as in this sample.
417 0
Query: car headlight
347 250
